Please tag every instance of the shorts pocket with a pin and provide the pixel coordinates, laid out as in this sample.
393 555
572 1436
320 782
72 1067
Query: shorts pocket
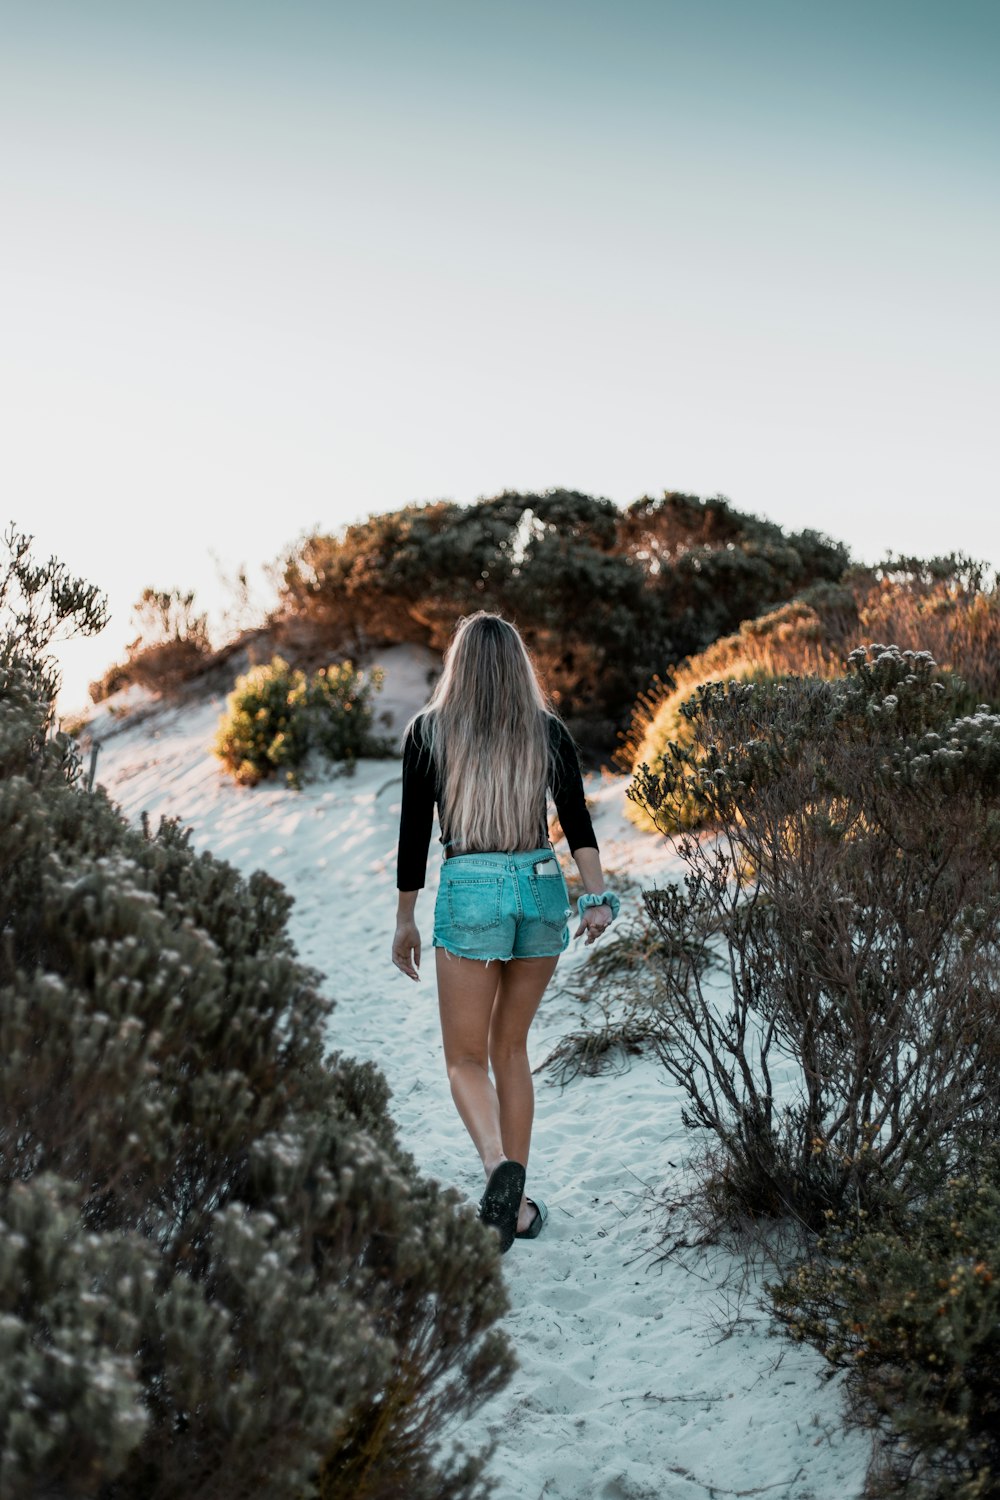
551 897
474 901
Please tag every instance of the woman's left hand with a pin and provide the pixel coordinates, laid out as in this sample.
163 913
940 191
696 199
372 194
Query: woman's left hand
594 921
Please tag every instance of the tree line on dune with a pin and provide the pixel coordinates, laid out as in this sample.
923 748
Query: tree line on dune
605 597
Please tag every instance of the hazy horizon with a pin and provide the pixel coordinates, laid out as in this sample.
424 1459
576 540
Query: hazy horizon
271 268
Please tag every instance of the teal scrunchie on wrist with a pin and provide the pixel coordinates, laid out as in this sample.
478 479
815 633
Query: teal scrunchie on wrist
606 898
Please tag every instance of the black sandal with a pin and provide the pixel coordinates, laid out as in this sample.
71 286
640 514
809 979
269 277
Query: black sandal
500 1203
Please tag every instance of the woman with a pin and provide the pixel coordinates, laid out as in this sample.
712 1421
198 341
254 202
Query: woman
485 748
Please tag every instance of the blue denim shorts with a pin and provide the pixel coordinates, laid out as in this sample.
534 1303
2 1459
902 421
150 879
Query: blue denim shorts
500 906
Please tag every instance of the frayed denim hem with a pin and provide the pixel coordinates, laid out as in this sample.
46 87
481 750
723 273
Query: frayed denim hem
502 958
494 958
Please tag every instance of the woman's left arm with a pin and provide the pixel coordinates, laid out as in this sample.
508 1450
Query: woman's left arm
574 818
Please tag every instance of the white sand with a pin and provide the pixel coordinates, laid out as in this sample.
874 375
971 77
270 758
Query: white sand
638 1380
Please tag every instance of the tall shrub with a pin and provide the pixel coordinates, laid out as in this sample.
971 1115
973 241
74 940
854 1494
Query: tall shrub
220 1272
854 881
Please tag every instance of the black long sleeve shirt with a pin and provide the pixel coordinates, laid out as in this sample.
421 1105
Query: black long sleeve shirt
421 791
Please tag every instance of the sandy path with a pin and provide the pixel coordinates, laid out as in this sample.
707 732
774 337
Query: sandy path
638 1379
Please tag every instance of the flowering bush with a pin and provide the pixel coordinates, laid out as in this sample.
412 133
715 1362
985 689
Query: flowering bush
276 715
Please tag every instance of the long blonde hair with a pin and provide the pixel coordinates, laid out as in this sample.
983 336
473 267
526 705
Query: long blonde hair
486 725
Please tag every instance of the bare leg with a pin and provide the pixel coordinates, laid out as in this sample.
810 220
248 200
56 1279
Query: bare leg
466 989
518 995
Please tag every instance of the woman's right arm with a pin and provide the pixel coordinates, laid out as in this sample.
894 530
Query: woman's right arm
415 822
406 940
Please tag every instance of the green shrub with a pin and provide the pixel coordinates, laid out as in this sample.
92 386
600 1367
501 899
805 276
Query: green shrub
276 716
914 1316
220 1273
855 886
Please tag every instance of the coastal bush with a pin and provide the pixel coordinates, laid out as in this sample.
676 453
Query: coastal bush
604 597
668 725
172 646
949 606
913 1315
712 566
277 715
220 1273
853 884
39 604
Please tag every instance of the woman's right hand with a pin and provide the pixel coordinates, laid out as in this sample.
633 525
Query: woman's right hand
406 949
595 920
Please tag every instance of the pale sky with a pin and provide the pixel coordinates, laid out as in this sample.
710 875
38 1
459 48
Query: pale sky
270 267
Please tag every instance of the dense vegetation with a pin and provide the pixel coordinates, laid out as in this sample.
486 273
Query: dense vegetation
220 1273
911 1311
949 606
847 1073
822 985
605 597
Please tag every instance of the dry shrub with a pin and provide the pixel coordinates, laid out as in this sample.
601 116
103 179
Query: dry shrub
602 1045
959 626
164 667
172 647
854 885
622 988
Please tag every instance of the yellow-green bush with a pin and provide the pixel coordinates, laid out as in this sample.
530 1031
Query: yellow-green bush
276 715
